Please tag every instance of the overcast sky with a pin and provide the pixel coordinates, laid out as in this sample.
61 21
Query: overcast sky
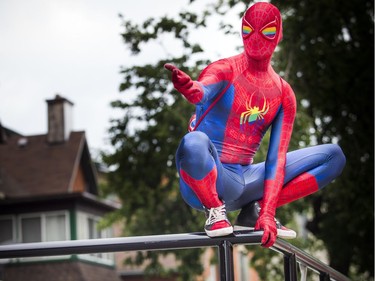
73 48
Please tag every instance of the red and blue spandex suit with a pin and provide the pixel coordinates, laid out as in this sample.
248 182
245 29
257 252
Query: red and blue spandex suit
242 97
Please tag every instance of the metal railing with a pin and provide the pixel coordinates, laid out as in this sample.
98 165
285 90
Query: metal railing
292 255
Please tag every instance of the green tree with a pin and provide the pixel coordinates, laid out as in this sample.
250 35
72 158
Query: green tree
326 56
144 175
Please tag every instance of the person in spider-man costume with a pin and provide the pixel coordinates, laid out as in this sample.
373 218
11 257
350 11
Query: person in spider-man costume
237 100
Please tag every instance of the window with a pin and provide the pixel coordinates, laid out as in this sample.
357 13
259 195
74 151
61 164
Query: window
31 229
7 231
93 229
43 227
56 227
88 228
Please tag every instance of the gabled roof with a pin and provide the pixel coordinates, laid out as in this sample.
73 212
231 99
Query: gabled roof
30 166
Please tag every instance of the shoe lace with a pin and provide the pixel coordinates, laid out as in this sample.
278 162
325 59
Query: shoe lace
217 214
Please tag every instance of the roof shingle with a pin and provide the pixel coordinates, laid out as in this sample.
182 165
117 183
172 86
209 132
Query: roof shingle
38 167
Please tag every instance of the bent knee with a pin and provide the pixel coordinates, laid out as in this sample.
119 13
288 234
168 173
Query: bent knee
194 145
337 158
195 138
194 142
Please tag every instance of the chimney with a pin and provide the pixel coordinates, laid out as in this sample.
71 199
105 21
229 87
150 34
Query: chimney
59 119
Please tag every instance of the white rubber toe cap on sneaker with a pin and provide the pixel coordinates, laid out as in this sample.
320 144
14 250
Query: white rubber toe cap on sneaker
220 232
283 232
286 233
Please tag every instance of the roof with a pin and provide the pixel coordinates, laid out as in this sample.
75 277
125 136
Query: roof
6 133
37 204
30 166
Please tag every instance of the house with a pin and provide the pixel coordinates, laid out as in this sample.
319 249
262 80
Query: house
49 192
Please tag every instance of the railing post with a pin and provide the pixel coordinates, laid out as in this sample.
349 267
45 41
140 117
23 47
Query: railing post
226 261
290 267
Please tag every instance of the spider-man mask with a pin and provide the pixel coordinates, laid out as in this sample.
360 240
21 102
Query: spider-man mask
261 30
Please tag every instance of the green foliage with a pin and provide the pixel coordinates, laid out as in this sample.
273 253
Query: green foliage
328 56
143 174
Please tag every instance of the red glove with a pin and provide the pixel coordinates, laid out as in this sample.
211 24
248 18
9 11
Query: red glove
185 85
267 223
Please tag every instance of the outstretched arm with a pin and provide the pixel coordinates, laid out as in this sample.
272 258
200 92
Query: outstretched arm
282 128
210 82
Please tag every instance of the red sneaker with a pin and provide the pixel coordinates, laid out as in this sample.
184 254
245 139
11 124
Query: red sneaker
284 232
248 216
217 223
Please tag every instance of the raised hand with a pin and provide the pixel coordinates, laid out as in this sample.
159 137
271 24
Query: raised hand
184 84
180 79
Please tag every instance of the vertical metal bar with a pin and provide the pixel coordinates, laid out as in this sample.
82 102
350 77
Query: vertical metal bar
226 261
290 267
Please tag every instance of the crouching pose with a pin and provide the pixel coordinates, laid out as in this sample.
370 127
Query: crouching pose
237 99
